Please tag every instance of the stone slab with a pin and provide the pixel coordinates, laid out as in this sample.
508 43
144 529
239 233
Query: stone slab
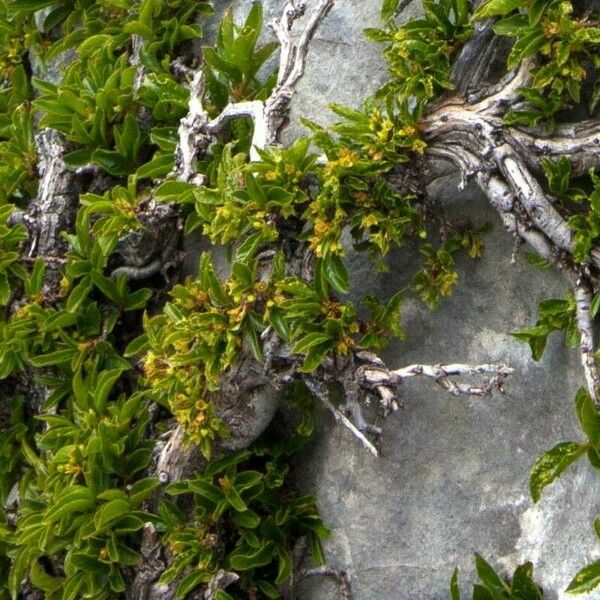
452 478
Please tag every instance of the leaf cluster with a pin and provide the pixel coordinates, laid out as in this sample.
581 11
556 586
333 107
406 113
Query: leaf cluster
253 502
419 55
80 466
553 463
564 46
493 587
233 64
553 315
81 499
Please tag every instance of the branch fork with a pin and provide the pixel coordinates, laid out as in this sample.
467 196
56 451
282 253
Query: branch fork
196 130
504 161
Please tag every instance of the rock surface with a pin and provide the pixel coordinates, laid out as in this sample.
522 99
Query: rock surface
452 478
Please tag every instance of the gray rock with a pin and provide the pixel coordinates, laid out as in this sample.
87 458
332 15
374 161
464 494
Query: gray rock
343 67
453 474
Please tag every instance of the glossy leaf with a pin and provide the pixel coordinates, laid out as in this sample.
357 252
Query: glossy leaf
552 464
586 580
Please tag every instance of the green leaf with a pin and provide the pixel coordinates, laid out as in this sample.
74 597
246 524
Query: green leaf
523 586
320 280
336 273
73 585
111 511
588 416
314 358
160 166
316 550
253 340
106 381
76 499
30 4
129 524
247 519
235 500
58 357
229 460
481 593
80 390
244 562
311 340
511 26
112 162
284 568
269 590
174 190
79 294
536 337
116 581
593 457
595 306
34 283
60 320
495 8
78 158
279 324
205 489
165 138
218 63
137 346
107 287
376 35
247 479
138 299
586 579
180 561
127 556
536 10
43 580
454 591
143 488
56 17
128 138
526 46
189 582
388 9
249 246
4 290
170 513
552 464
138 459
490 578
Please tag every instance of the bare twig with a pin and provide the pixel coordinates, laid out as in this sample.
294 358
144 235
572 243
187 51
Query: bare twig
220 580
192 136
135 60
295 59
318 389
579 142
270 116
533 199
53 210
254 110
503 160
374 376
196 131
583 293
